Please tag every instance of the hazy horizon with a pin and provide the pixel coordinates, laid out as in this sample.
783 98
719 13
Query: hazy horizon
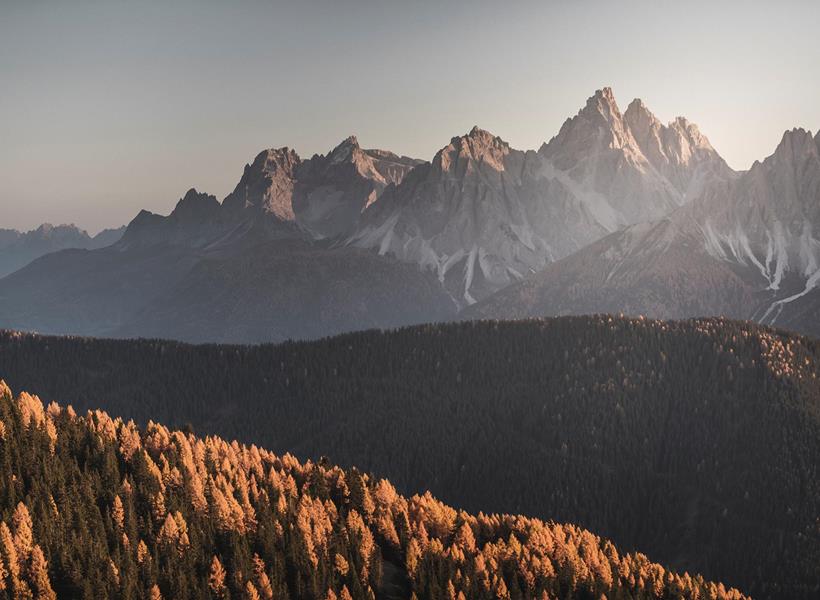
108 109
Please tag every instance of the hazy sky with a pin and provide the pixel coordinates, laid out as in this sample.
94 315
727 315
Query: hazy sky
109 107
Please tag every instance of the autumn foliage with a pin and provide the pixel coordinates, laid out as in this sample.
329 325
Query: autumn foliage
93 507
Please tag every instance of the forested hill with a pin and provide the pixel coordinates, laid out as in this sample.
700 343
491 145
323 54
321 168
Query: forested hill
94 508
696 442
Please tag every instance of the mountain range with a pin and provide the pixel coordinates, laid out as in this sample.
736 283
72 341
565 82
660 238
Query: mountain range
617 213
17 248
747 248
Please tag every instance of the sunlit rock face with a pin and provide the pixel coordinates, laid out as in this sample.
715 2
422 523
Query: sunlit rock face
279 195
332 190
745 246
483 215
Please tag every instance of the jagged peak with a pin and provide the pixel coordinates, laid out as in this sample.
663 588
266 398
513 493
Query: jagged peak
602 101
46 230
692 132
275 154
193 194
600 113
350 140
476 135
638 106
795 143
144 219
645 127
195 203
477 144
345 150
272 160
600 109
46 227
795 137
604 94
796 133
638 115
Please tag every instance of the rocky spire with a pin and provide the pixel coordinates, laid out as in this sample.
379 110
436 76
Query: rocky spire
196 207
677 150
266 185
476 146
796 146
347 150
599 125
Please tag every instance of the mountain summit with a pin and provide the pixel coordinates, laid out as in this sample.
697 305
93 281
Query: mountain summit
618 212
484 215
746 246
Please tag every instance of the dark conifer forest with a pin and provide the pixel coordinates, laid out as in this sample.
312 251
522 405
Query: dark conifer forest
695 442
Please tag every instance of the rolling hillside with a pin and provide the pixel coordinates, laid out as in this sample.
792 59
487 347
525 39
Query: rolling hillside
94 508
697 442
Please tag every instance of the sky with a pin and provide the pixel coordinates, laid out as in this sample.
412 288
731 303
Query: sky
110 107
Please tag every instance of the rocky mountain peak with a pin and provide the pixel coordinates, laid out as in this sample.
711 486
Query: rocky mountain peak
64 232
346 150
195 207
597 127
796 145
797 157
274 160
692 133
639 118
478 146
674 150
266 185
602 104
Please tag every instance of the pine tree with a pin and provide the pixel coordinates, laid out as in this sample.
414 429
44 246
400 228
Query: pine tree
118 513
262 579
250 592
38 574
23 534
216 578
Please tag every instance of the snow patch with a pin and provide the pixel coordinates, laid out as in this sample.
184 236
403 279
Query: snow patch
777 307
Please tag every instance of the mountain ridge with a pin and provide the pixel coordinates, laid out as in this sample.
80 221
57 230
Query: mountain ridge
18 248
493 214
745 248
505 232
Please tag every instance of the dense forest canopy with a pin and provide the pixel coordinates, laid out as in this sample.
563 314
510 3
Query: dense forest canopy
696 442
93 507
